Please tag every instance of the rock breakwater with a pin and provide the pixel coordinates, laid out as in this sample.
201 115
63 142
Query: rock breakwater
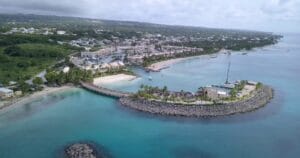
261 97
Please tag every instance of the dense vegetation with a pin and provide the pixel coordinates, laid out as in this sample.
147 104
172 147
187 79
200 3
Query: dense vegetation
163 94
56 77
237 43
20 62
148 92
36 51
75 75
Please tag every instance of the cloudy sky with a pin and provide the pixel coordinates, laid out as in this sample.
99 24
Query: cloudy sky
265 15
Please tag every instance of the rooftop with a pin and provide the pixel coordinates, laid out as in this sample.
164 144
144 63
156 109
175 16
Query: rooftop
6 90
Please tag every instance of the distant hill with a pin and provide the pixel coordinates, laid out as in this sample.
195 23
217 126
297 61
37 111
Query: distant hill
75 22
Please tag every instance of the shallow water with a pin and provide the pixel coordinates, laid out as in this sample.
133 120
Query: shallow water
41 129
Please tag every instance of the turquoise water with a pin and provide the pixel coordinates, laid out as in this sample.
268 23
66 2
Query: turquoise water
41 129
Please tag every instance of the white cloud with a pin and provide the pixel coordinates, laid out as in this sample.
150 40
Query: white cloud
256 14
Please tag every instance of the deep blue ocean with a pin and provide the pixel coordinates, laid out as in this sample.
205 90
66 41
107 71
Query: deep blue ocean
44 127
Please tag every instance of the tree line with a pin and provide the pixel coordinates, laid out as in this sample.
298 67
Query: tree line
75 75
17 51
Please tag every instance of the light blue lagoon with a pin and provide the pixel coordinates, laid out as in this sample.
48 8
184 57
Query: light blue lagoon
43 128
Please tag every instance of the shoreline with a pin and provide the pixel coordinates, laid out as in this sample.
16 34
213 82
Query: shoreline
113 79
158 66
34 96
261 98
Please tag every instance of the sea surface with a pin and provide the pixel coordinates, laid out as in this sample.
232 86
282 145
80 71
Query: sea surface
44 127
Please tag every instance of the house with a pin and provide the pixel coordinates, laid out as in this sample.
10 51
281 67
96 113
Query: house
18 93
121 64
252 83
100 53
136 59
114 65
105 66
6 93
12 83
215 92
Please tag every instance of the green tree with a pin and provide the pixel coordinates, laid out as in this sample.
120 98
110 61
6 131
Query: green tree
13 50
258 85
87 76
51 77
165 89
37 81
24 87
4 58
61 79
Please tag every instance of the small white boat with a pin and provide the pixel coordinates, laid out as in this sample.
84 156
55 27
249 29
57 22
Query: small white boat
150 78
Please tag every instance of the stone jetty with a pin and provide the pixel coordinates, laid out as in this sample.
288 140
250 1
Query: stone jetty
261 97
105 91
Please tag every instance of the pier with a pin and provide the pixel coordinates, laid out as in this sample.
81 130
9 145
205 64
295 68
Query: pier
105 91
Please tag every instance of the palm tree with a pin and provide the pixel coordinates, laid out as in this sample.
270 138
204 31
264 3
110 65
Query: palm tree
165 89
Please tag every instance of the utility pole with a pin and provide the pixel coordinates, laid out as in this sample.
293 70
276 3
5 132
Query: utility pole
228 68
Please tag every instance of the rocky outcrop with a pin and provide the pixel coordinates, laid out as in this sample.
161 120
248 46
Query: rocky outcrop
86 149
260 98
81 150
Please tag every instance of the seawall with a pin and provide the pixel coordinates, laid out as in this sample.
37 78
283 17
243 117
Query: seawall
258 100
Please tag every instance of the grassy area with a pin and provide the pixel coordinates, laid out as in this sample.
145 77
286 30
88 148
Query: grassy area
33 59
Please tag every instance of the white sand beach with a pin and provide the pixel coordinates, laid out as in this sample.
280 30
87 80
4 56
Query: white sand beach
6 105
113 79
167 63
164 64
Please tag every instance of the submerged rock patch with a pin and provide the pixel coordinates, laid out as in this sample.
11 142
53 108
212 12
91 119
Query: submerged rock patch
85 150
80 150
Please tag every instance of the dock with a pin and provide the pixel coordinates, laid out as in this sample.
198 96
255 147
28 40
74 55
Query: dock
105 91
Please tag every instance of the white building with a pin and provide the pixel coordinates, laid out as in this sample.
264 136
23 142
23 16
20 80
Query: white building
66 69
116 64
137 59
99 53
6 93
216 93
61 32
105 66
